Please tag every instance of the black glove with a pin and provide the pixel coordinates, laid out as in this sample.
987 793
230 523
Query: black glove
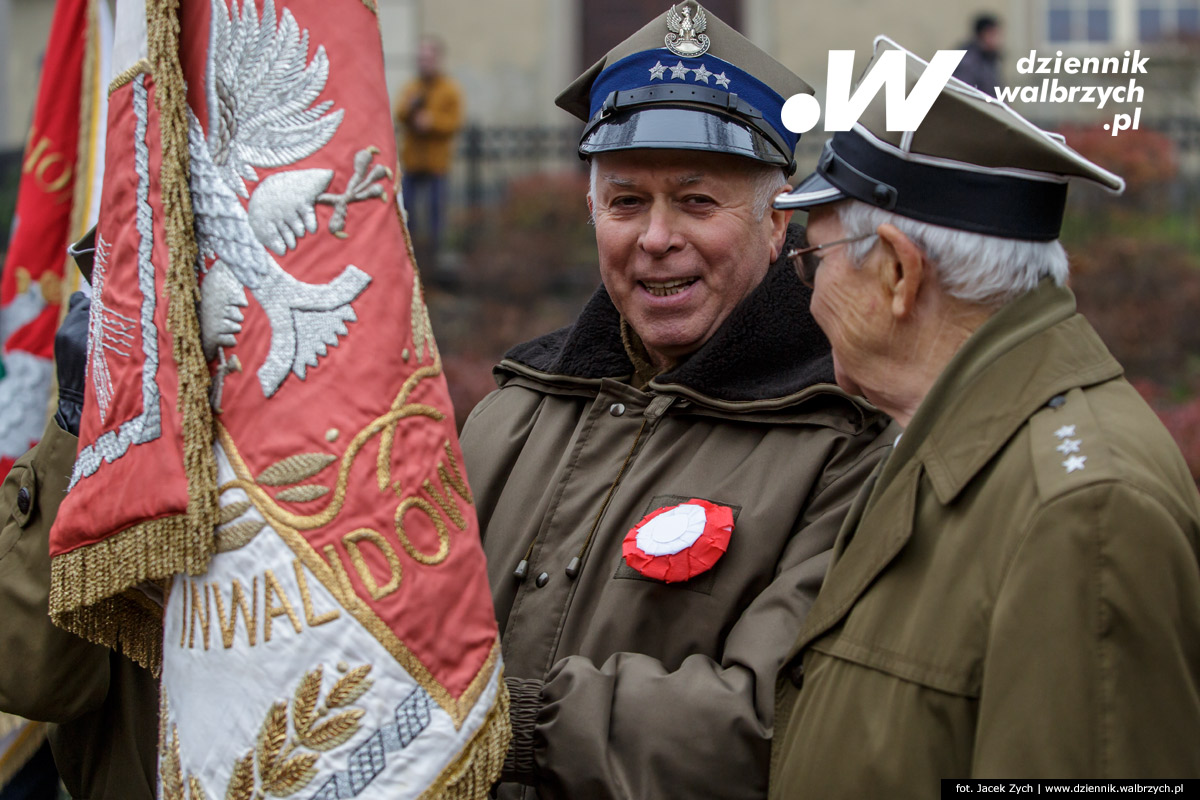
70 356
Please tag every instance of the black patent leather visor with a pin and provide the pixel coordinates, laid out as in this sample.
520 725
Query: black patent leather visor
679 129
812 191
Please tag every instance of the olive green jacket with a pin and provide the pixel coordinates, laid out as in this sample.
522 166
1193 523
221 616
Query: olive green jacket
106 706
1018 595
624 686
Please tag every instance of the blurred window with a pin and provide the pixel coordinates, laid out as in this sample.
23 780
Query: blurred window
1160 20
1098 22
1079 20
1150 22
1121 22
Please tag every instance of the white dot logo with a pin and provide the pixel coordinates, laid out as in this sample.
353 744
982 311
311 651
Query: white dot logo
801 113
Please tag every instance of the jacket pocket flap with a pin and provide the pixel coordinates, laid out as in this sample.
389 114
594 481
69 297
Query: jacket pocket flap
964 682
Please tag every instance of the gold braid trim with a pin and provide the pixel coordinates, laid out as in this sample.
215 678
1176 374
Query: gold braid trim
473 771
195 545
91 592
127 75
357 607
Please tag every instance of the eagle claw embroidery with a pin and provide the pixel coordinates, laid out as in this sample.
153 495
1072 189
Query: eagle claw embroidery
362 186
265 119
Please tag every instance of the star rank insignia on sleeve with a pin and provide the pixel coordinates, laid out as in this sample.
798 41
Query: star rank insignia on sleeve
1074 463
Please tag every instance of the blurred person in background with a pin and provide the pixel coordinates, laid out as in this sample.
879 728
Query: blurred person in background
659 484
1016 593
980 67
429 114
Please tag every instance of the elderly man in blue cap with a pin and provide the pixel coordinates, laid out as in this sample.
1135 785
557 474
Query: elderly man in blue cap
659 483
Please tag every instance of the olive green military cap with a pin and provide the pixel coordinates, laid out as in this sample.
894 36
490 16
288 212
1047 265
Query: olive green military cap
973 164
686 81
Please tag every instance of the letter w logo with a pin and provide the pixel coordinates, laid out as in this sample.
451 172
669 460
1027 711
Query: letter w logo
842 109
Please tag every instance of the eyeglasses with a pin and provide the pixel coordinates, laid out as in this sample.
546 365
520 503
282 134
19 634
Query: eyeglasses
805 264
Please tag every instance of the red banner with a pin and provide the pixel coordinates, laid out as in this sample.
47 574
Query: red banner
31 284
344 539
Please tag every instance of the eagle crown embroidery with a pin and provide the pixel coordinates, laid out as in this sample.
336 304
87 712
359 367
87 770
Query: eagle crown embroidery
262 112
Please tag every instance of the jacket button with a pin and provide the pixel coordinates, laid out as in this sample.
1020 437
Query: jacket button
796 674
616 409
542 579
23 500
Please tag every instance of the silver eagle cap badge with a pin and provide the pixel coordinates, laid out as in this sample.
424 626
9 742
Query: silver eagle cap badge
686 37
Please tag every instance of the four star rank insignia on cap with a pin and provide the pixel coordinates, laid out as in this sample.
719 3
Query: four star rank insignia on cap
677 543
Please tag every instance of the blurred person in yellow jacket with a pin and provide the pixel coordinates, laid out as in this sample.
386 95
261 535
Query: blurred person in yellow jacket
429 114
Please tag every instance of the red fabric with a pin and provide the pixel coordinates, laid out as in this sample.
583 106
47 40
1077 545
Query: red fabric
149 481
691 561
43 213
441 613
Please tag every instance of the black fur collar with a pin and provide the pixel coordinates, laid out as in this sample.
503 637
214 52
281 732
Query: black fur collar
769 346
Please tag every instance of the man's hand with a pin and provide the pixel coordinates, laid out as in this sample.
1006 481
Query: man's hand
70 356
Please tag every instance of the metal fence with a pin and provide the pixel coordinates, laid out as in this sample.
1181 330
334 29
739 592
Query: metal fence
489 157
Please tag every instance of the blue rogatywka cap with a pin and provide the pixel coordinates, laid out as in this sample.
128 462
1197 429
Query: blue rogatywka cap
687 81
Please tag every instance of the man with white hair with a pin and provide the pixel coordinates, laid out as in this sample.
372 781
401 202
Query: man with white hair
1016 591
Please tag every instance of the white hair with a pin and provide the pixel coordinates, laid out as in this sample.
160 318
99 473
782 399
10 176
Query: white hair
973 267
767 183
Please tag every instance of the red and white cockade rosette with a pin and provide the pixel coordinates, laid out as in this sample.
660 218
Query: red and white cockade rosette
677 543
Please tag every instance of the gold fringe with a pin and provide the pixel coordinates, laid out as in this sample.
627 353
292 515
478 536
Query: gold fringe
91 594
471 774
91 590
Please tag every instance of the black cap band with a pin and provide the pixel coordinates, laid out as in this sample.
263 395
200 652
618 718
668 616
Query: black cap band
996 205
726 104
